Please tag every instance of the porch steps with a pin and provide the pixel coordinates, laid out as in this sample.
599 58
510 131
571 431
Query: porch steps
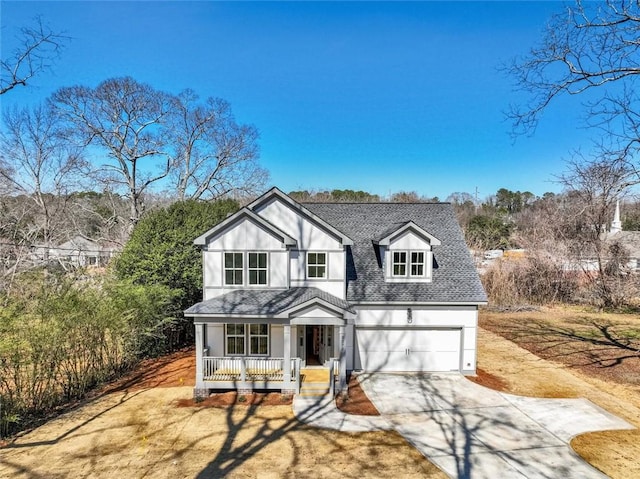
309 389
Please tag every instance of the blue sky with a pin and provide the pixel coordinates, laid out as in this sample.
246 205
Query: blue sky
375 96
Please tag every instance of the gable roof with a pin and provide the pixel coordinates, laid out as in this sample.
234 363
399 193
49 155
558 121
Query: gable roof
395 230
267 303
80 243
235 218
276 193
454 280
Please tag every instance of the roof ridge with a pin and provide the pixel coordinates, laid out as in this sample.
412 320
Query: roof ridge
375 203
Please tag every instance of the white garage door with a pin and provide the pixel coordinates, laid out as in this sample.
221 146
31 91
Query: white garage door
433 350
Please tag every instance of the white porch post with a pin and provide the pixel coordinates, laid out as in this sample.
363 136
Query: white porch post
342 372
287 357
200 387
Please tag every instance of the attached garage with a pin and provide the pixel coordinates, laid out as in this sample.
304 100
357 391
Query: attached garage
409 349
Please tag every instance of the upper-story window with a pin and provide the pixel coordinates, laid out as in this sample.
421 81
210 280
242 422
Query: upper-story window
410 264
237 268
258 268
417 263
233 268
399 266
316 265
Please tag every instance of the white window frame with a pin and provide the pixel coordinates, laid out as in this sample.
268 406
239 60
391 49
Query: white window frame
317 265
422 263
258 269
243 335
266 337
234 268
246 336
404 263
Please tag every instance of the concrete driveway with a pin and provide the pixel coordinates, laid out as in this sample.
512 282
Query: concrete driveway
470 431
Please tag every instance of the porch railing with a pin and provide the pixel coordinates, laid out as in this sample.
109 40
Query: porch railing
247 368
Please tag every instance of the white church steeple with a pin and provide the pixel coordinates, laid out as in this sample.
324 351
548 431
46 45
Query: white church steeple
616 225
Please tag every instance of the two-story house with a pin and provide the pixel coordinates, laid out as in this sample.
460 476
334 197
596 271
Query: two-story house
344 286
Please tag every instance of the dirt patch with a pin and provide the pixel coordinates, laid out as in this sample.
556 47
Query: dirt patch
356 401
486 379
613 452
173 370
232 398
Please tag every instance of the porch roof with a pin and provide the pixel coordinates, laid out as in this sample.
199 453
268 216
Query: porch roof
268 303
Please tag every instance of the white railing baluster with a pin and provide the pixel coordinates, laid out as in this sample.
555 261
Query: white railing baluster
244 368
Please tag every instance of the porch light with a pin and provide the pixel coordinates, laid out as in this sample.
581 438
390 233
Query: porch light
409 316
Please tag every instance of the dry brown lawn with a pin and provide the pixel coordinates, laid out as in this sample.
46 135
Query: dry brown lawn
147 426
577 354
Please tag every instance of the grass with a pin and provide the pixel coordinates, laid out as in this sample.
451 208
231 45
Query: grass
570 352
140 428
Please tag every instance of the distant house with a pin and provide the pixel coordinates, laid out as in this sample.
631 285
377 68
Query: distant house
334 286
77 252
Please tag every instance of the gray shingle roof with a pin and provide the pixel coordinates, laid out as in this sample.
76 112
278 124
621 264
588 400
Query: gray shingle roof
454 276
267 302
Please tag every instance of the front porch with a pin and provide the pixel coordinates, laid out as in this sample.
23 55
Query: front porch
246 374
248 340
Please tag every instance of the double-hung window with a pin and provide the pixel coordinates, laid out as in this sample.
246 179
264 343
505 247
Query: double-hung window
259 339
252 270
252 337
417 263
408 264
399 266
235 339
257 268
316 265
233 268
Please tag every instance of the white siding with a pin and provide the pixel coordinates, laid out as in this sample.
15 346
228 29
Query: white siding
277 341
308 235
334 283
245 235
278 269
242 237
409 240
215 339
316 313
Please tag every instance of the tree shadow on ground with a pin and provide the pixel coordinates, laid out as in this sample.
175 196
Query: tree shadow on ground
591 344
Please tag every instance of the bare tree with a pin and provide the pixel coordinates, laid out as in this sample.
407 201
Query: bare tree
124 118
38 48
212 155
590 50
38 164
593 187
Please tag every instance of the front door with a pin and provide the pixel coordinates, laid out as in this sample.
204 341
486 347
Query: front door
313 341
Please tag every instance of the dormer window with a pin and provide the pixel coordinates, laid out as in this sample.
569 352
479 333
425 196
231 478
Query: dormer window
417 263
410 265
399 263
